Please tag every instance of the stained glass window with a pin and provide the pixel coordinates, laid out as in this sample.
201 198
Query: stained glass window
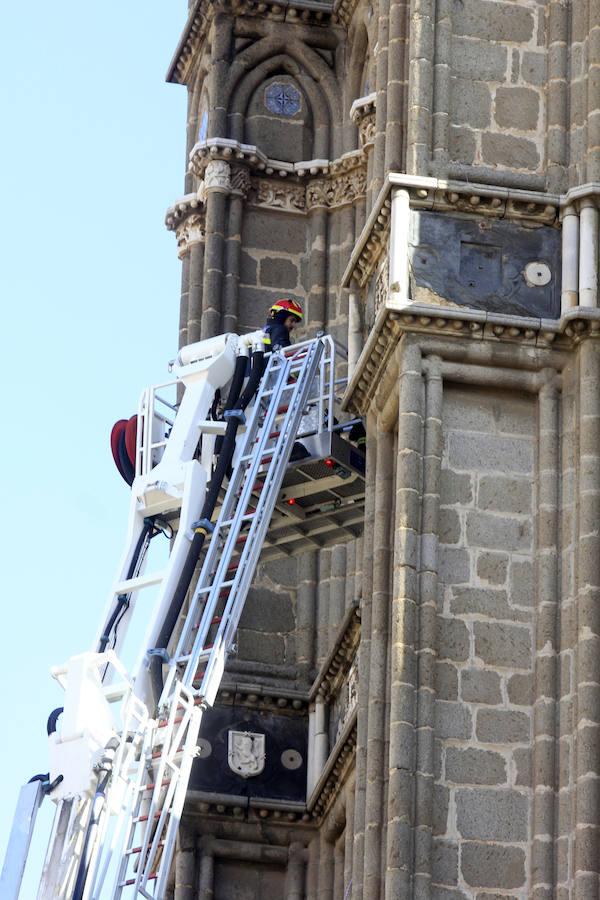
283 99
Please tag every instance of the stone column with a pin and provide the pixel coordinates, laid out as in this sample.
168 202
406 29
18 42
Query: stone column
326 868
545 667
381 88
349 839
570 259
184 301
185 865
321 737
420 87
557 88
239 189
588 253
295 873
587 664
427 630
593 110
207 867
396 92
217 186
312 874
377 669
363 668
306 612
355 338
337 589
317 314
403 666
442 84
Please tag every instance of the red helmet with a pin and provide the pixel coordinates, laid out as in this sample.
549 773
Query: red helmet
288 306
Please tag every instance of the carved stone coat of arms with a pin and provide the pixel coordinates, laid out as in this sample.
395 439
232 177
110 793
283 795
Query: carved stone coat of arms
246 753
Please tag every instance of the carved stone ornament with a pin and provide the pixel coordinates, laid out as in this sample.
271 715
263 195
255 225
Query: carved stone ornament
217 176
240 181
279 195
190 232
366 130
246 753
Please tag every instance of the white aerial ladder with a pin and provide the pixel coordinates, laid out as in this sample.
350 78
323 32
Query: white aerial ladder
121 759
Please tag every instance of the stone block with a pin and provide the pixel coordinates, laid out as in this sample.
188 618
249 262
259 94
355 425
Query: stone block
274 231
454 565
441 801
478 59
507 150
522 758
492 815
455 488
495 532
504 494
533 68
462 144
444 893
472 766
491 865
466 409
481 602
248 268
480 686
520 690
490 452
493 21
446 681
471 103
521 583
278 273
288 572
453 640
266 611
259 647
449 526
444 863
517 107
492 567
502 726
501 644
452 720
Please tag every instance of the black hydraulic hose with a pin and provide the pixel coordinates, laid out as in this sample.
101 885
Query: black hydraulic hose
98 804
223 463
239 373
123 599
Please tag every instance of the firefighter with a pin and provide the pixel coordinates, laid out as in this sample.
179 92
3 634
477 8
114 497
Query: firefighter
284 315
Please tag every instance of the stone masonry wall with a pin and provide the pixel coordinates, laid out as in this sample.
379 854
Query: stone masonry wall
483 711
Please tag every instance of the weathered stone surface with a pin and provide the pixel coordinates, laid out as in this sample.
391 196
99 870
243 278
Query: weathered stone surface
480 686
520 690
507 150
452 720
453 640
456 487
497 532
462 144
493 21
278 273
522 758
489 452
446 681
471 103
273 231
263 648
492 865
267 611
472 766
517 107
500 644
499 726
480 60
491 815
481 602
441 801
492 567
502 494
444 866
521 583
449 528
248 268
533 67
454 565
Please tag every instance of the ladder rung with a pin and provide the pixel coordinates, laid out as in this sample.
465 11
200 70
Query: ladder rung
214 621
139 849
207 590
142 581
131 881
246 518
152 784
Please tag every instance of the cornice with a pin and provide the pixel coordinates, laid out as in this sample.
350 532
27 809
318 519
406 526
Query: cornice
337 663
458 323
336 770
281 701
202 13
438 195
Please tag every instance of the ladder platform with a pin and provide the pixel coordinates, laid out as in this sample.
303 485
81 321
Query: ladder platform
321 501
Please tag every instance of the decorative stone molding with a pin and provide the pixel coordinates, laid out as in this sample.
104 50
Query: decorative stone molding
232 806
362 113
189 233
336 770
217 177
202 12
256 696
276 194
445 196
336 666
184 207
344 10
240 181
541 335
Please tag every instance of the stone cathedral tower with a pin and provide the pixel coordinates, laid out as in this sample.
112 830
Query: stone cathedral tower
424 176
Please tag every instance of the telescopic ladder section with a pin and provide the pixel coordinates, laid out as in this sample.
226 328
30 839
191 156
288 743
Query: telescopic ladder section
195 670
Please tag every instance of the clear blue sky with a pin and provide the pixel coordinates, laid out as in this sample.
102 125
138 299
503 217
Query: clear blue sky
92 153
